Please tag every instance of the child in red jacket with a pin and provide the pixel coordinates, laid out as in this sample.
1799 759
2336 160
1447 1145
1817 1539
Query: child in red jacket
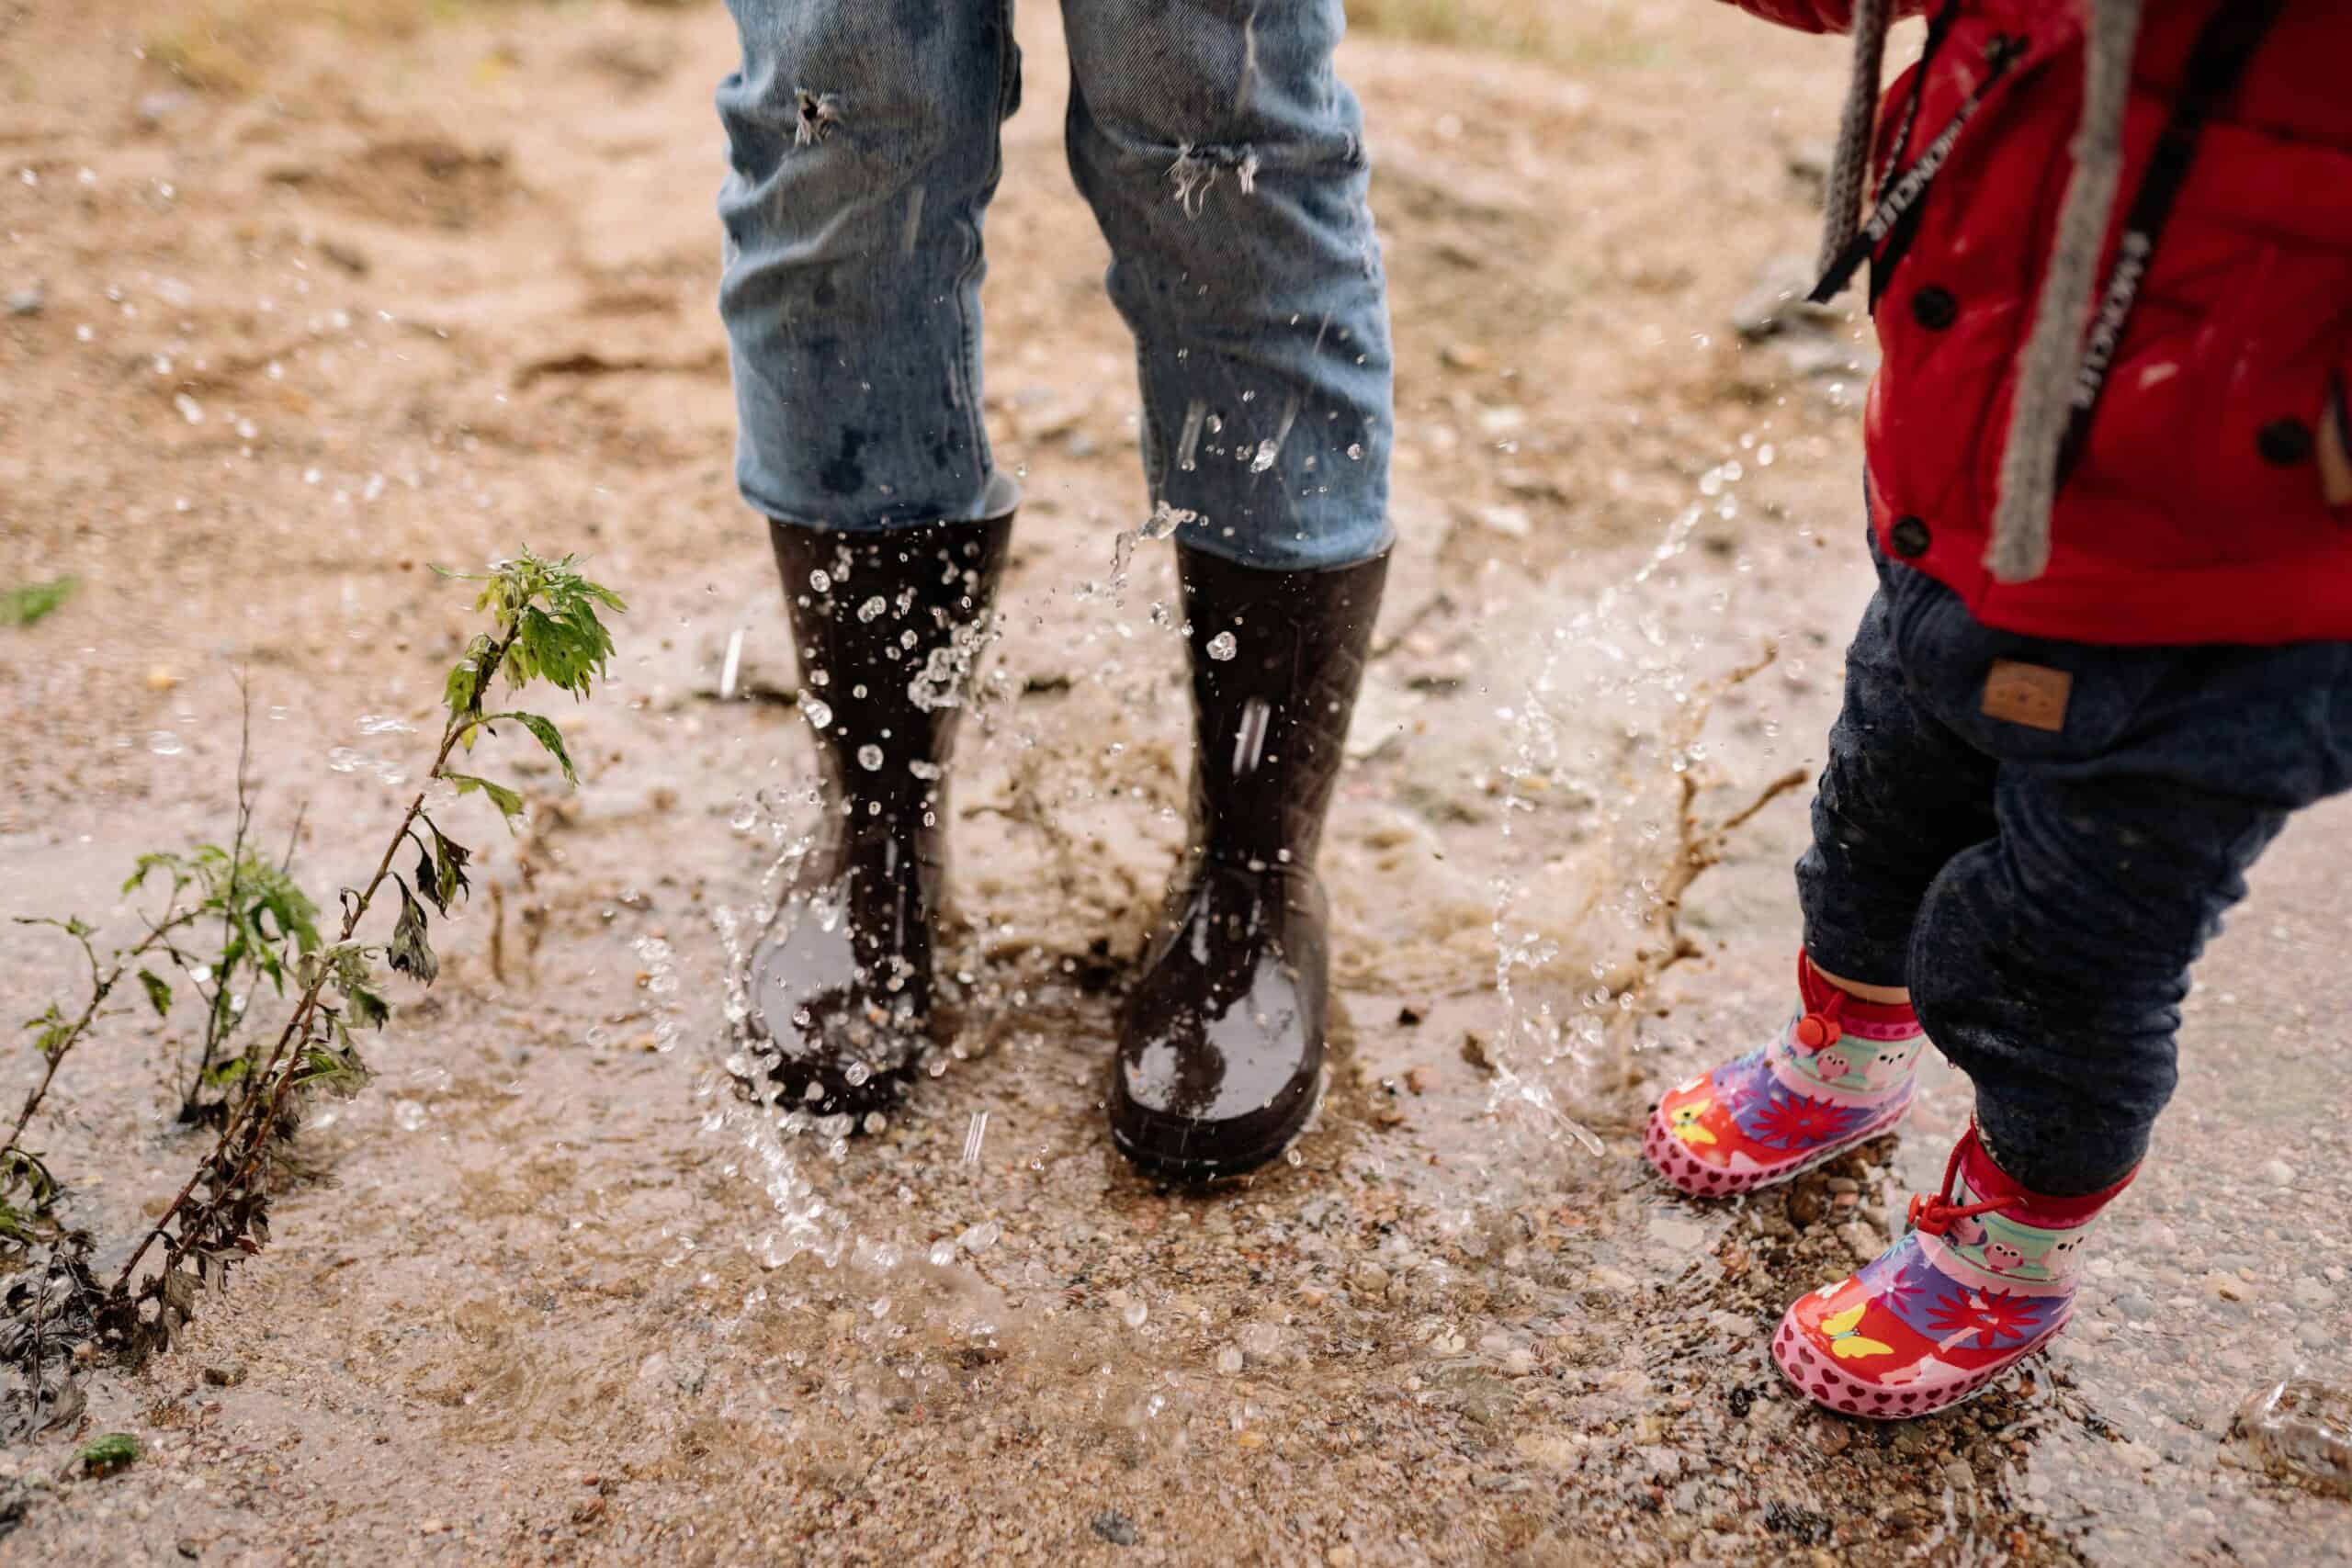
2109 252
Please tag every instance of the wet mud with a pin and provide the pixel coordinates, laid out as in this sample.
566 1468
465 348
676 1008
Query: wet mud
555 1292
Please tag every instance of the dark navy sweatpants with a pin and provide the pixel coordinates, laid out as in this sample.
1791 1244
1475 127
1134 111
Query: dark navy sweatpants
2042 881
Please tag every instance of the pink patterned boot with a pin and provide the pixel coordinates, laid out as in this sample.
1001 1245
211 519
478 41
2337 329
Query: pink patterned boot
1984 1278
1838 1074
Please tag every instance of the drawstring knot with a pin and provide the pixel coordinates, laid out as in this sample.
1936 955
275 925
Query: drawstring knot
1937 1215
1819 1027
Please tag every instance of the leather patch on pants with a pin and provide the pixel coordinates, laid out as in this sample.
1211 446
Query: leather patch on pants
2031 694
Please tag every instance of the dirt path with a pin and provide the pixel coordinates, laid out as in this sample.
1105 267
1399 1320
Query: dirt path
377 298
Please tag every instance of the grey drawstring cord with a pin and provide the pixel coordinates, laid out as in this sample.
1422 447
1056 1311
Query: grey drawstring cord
2018 550
1849 168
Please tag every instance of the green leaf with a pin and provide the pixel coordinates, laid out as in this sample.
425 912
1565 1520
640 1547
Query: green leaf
159 994
409 953
550 739
508 803
148 863
22 1171
461 693
108 1452
288 906
222 1074
52 1030
32 602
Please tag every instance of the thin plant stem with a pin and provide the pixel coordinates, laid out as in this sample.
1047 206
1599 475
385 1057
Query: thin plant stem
255 1114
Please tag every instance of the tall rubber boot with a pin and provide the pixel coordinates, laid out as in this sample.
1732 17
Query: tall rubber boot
1220 1056
888 626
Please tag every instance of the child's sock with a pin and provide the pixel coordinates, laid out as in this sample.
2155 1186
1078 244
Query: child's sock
1840 1072
1984 1278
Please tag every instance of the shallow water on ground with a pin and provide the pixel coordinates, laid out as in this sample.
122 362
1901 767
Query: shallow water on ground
555 1293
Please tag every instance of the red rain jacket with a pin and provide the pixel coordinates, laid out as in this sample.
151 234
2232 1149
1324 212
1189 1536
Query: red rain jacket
2213 499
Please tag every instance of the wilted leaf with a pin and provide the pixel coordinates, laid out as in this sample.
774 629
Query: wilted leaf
410 952
159 994
449 859
364 1006
427 883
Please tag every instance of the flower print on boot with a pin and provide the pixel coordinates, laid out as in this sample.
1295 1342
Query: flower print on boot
1984 1278
1838 1074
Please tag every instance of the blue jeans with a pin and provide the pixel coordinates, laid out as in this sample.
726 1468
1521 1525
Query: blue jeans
1226 163
2043 891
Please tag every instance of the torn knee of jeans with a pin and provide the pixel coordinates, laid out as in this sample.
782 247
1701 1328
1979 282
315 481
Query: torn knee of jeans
819 112
1197 168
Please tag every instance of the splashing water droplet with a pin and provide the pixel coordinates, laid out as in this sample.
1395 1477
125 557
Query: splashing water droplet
1134 1314
407 1115
869 757
1222 647
820 712
164 743
1165 520
874 609
1228 1360
1264 459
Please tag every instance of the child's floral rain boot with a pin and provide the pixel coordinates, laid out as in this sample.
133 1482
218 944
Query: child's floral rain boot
1838 1074
1984 1278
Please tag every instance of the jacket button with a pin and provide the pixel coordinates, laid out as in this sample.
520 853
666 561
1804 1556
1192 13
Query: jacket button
2283 443
1934 308
1909 536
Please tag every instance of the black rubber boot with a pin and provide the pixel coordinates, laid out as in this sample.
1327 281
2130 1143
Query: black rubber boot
1221 1049
888 627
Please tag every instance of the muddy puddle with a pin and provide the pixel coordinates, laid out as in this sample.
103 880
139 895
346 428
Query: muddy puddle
552 1292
